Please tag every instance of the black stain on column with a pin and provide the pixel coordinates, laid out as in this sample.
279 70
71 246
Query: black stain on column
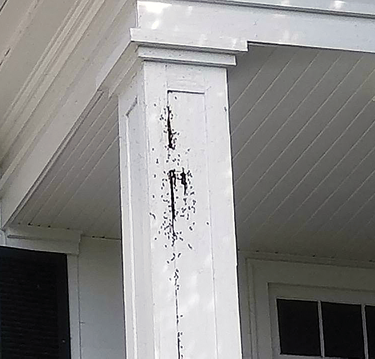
178 194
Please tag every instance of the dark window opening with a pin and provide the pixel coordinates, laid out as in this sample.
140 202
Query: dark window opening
325 329
298 327
34 313
343 332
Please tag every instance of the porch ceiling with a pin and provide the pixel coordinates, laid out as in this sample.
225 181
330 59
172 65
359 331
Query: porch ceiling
303 140
28 30
81 191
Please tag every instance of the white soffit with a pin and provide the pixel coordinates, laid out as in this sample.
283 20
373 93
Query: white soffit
81 190
26 31
303 140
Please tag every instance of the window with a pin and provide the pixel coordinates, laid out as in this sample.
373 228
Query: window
266 305
324 329
34 315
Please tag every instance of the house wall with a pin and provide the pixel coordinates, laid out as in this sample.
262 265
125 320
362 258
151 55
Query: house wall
101 318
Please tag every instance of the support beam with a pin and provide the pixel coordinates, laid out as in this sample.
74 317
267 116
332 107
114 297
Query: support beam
179 247
294 23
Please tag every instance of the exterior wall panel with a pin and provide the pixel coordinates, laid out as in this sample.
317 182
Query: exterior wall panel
100 299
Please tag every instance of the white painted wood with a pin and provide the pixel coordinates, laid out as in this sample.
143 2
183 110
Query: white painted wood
100 299
35 233
303 155
82 79
74 304
97 122
43 239
84 18
334 7
246 305
267 25
14 16
188 41
247 68
179 248
175 56
108 197
308 259
81 191
27 40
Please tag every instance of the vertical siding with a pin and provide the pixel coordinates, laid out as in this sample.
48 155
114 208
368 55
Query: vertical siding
100 299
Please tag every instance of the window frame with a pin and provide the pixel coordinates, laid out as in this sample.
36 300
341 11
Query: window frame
319 295
257 276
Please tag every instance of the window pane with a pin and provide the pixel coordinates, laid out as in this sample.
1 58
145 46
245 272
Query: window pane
298 327
370 323
343 332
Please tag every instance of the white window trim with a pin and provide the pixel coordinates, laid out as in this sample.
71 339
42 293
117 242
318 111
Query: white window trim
263 276
316 294
74 312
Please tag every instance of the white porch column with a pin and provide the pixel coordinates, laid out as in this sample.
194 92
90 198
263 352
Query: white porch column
181 298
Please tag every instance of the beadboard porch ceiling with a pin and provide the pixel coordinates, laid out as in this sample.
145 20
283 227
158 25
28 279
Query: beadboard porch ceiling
303 142
303 147
82 189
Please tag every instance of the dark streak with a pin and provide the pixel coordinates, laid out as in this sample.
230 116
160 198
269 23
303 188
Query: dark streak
184 181
172 184
171 144
177 192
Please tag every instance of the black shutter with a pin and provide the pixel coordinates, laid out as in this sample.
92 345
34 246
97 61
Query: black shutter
34 313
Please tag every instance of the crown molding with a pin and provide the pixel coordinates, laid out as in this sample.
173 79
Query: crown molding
294 258
186 48
188 41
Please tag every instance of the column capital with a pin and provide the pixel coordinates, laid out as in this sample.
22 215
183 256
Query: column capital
175 47
187 47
